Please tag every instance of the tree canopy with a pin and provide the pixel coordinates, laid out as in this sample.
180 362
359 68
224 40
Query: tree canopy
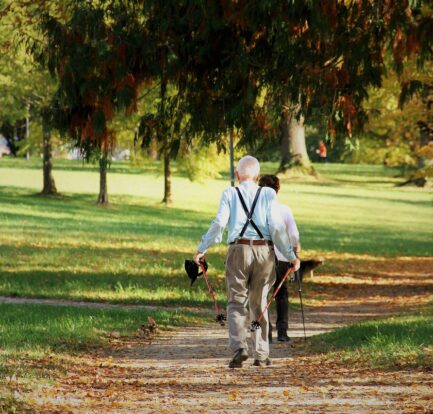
233 63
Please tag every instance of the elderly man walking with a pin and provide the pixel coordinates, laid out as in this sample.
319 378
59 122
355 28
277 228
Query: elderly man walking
254 226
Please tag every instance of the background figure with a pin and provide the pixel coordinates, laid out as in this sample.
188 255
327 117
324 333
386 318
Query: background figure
282 297
322 151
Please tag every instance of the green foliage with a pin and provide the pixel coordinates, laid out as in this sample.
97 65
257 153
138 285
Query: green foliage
25 88
203 163
233 65
369 150
164 125
396 135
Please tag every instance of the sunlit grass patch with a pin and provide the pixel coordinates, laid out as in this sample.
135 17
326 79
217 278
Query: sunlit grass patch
30 334
392 343
134 250
30 327
37 342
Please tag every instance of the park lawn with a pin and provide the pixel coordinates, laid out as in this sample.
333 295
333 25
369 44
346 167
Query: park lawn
39 342
43 328
69 248
398 342
133 251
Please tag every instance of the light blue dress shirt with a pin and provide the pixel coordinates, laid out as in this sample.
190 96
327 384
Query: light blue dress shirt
267 217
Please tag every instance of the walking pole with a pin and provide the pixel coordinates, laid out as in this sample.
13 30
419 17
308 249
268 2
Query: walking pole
298 276
255 325
220 317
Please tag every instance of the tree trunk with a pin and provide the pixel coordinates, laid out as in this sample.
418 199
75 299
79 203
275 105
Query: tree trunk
164 137
152 150
293 147
285 144
167 179
28 133
47 166
103 192
425 136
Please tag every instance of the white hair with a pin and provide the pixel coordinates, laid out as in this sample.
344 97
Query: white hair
248 167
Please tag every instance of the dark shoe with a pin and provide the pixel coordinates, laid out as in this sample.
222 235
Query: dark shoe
240 356
262 363
282 337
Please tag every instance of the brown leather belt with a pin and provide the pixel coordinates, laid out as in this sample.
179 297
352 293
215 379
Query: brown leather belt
253 242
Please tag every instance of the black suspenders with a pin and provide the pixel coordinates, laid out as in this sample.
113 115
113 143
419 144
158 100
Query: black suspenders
249 213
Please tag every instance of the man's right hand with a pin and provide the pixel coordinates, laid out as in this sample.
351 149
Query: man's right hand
295 264
197 257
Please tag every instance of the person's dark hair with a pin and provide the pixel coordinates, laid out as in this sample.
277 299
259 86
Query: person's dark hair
270 181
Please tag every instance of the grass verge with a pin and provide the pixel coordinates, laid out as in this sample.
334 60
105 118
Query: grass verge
39 342
392 343
37 330
24 327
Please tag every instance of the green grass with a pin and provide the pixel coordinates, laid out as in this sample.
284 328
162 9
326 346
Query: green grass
31 327
37 330
35 339
392 343
133 251
360 173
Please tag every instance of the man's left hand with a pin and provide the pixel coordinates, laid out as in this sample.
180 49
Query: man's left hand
295 264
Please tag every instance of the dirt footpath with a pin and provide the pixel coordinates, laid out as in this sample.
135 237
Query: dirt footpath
185 371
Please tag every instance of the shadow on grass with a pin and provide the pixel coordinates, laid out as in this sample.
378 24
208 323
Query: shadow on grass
363 239
373 196
119 167
125 219
353 291
110 288
83 202
80 213
69 248
360 170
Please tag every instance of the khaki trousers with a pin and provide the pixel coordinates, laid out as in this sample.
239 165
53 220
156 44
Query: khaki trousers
250 274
